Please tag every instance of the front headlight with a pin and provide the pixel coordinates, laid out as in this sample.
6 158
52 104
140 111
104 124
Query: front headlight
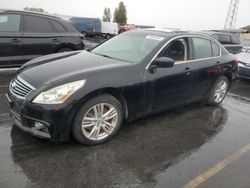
59 94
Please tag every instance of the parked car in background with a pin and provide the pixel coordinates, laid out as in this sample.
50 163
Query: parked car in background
27 35
231 41
132 75
244 63
109 29
246 44
87 26
144 26
126 27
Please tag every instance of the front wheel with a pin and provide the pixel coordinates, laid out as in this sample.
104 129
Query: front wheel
218 91
98 120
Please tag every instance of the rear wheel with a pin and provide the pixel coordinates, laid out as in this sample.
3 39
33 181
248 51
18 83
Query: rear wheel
121 31
218 91
98 120
108 36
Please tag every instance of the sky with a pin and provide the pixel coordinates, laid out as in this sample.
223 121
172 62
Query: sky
184 14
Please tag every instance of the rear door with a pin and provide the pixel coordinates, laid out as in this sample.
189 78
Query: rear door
10 40
39 37
205 65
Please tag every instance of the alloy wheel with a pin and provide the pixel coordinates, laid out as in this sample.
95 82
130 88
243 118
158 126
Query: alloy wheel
220 91
99 121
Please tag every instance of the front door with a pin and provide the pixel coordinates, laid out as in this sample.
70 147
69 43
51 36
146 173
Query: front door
171 86
10 40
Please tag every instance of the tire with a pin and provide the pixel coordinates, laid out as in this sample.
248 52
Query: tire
218 91
64 50
91 115
121 31
108 36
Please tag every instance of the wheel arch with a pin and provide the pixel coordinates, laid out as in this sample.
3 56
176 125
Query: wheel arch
229 76
71 46
117 93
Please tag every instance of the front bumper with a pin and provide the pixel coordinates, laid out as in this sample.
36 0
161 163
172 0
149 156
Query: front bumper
32 130
55 121
244 72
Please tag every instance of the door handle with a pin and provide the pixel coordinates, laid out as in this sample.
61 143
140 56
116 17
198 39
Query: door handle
217 62
187 71
55 40
15 40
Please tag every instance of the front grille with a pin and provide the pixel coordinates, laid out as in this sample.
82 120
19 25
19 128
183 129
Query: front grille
20 87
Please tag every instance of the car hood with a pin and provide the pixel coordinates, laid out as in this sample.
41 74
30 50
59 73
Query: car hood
56 67
243 57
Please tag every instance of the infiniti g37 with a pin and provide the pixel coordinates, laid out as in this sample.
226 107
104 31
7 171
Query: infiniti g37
89 94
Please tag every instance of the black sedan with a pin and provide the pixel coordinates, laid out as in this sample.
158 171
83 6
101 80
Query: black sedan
91 93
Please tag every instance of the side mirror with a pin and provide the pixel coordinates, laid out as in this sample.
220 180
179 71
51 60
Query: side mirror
163 62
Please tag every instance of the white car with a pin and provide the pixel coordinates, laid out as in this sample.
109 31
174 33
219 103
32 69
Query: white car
109 29
246 44
244 63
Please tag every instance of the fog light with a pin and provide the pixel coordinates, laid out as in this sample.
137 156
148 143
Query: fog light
39 125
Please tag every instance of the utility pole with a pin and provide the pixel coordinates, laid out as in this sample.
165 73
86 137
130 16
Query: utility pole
232 14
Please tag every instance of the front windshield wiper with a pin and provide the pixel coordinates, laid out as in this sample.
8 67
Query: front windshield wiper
104 55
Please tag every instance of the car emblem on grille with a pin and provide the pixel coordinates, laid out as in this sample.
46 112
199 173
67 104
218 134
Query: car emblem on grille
13 85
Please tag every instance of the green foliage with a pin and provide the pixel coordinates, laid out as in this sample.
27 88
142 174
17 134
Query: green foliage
247 28
33 9
106 15
120 14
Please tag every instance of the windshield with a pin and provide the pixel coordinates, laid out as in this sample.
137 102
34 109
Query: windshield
129 46
246 42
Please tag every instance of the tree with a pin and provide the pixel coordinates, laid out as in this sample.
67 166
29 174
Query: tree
246 28
33 9
120 14
106 15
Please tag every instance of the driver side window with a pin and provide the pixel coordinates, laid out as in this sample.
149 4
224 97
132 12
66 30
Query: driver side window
177 50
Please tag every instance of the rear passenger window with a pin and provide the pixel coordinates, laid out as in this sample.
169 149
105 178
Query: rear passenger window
9 22
216 49
224 39
59 27
235 39
202 48
37 25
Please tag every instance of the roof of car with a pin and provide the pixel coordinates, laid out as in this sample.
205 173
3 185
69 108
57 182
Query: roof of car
168 34
28 12
209 33
165 30
174 33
